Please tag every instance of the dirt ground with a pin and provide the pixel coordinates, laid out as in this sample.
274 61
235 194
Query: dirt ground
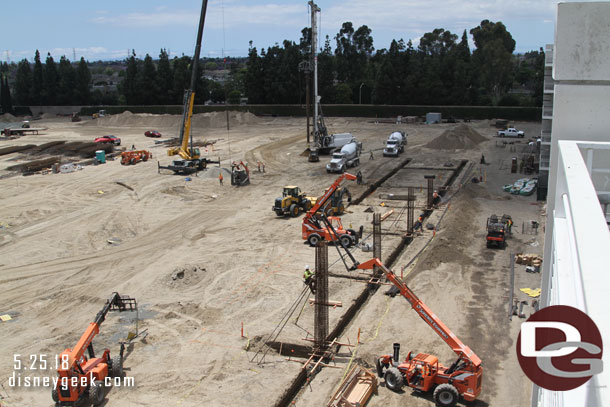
204 259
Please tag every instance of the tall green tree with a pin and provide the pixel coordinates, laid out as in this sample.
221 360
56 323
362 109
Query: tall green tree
67 82
82 93
7 96
146 83
165 79
23 83
37 81
129 86
493 57
181 78
50 81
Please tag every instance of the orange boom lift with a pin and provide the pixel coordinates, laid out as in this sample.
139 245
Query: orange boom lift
81 377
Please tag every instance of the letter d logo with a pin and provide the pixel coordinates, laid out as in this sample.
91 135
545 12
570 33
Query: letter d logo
560 348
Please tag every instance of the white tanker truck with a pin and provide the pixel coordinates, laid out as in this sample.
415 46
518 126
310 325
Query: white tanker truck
349 156
395 144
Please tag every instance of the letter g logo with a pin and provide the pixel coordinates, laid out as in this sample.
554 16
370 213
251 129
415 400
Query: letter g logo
560 348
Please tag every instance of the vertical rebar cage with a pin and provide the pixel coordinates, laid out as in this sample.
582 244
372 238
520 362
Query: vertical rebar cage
321 305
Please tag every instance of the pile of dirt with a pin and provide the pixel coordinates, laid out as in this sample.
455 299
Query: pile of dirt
201 120
461 137
7 117
84 149
48 116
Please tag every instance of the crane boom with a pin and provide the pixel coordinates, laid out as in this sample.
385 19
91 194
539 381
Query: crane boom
426 314
321 202
189 98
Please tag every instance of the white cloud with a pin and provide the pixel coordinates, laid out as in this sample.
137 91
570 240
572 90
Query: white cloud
419 16
235 15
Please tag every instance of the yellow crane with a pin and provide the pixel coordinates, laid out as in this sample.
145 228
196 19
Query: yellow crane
191 157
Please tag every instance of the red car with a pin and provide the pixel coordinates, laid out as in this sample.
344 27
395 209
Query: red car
109 139
152 133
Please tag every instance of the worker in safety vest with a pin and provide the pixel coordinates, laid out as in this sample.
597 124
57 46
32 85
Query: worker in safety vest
308 276
220 178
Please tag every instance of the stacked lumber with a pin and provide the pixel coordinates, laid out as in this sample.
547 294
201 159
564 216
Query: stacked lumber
356 389
528 259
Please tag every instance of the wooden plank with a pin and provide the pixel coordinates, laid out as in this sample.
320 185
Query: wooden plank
385 215
329 303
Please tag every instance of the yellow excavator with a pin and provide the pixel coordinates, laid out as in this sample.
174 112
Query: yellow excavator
191 161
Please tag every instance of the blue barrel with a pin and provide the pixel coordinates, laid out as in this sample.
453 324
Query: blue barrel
100 155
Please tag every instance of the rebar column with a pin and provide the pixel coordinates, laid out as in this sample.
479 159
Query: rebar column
430 179
376 239
410 210
321 305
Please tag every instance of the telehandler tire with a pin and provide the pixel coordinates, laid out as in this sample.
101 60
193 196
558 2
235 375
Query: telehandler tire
54 395
346 240
313 239
446 395
96 393
117 366
393 379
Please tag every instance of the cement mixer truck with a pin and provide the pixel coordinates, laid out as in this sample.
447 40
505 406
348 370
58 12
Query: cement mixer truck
395 144
348 156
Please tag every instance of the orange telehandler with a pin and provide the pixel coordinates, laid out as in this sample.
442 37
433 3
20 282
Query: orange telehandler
317 226
81 377
422 371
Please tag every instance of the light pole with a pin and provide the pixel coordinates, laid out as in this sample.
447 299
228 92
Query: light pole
360 93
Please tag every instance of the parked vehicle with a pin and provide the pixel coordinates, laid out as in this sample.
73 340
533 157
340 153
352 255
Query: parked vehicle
511 132
135 156
395 144
152 133
109 139
349 156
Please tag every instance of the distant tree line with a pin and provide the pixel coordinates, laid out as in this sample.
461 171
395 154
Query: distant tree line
51 83
440 71
163 82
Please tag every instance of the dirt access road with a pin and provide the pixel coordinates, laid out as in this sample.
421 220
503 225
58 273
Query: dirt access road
201 259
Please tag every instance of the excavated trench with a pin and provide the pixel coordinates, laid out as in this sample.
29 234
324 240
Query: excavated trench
301 379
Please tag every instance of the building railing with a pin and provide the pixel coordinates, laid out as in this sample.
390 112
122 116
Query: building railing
576 253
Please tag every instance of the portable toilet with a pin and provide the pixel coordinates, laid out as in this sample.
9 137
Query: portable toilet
100 156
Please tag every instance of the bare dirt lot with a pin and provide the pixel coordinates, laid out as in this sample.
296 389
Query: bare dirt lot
202 259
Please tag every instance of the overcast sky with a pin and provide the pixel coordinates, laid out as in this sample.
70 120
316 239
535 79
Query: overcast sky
107 29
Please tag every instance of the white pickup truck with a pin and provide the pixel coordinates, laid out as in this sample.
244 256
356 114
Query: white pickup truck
511 132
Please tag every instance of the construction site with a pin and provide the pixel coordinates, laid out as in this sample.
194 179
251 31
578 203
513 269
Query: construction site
215 271
254 260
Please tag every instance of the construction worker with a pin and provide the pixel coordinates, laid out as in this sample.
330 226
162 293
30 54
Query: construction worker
436 199
371 156
220 178
308 276
263 165
258 166
419 225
